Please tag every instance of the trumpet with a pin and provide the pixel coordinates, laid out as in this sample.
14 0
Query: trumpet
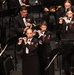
58 7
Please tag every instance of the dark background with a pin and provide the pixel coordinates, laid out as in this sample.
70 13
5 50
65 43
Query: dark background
55 2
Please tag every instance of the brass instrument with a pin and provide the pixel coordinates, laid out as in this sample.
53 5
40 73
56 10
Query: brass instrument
58 7
54 8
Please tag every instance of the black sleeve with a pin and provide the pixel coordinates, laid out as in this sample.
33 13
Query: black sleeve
16 26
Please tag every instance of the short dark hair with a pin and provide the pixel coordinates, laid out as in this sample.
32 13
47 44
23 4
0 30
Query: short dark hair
43 23
23 8
68 1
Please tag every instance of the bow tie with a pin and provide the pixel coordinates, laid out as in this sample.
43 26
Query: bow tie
29 40
23 17
42 32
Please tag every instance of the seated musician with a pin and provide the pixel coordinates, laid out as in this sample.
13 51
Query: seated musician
67 33
20 21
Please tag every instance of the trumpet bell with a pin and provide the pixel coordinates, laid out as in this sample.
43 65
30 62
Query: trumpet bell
58 7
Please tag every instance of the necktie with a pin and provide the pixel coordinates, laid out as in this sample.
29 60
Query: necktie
28 41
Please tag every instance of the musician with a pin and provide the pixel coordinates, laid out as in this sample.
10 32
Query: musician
49 9
20 21
67 24
67 47
67 6
29 45
44 48
31 24
48 16
62 12
67 32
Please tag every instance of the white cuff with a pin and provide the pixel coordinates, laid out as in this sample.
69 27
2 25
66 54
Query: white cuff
19 43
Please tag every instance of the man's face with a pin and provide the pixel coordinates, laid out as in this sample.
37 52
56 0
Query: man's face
43 28
69 14
67 5
29 33
24 13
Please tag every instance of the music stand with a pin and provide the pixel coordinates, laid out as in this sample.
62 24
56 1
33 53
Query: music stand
51 61
59 52
3 49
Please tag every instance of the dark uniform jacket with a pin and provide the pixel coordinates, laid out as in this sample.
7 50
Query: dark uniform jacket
30 63
19 24
44 45
44 49
67 30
